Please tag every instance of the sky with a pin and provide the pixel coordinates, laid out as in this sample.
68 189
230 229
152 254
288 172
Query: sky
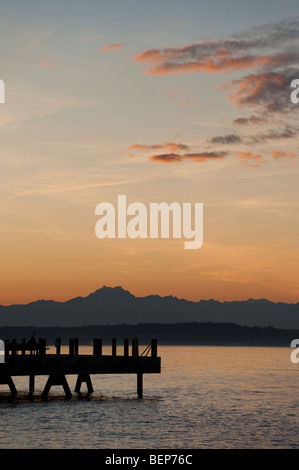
161 101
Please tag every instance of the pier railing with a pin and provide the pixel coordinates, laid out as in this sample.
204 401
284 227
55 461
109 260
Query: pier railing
13 348
31 347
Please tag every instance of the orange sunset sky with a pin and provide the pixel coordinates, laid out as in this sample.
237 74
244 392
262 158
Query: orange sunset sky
160 101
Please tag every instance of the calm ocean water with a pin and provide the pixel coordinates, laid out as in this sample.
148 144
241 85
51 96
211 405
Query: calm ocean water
205 397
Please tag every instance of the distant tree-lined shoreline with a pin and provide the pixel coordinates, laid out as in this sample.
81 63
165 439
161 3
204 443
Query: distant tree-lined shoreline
193 333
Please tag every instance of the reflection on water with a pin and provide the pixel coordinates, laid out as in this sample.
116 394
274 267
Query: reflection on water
205 397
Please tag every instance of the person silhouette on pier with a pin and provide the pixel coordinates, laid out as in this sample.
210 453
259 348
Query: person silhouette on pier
32 343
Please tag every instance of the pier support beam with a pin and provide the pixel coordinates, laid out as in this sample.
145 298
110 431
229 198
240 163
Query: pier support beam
57 380
84 378
58 345
140 385
126 347
7 380
114 347
31 383
97 347
135 352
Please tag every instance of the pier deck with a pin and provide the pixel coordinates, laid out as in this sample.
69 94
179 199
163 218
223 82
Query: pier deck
20 360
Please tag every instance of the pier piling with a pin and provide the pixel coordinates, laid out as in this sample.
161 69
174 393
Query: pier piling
126 347
7 380
135 352
114 347
56 379
97 347
71 347
140 385
58 345
31 383
84 378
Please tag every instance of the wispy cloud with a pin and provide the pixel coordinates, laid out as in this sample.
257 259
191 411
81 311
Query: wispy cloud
205 156
196 157
48 64
220 62
47 61
170 146
112 47
226 139
237 52
171 154
179 97
265 91
251 120
289 132
250 159
166 158
283 154
176 152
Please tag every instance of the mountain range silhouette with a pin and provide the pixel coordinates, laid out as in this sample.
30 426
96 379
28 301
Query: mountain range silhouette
114 305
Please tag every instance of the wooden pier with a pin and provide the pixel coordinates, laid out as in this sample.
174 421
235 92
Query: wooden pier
31 359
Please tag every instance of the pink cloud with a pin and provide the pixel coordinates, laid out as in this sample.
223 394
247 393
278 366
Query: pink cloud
208 57
282 154
205 156
250 159
112 47
170 146
166 158
197 157
47 64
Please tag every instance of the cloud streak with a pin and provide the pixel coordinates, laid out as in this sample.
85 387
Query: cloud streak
251 120
176 153
196 157
166 158
226 139
250 159
237 52
289 132
283 154
267 91
170 146
112 47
